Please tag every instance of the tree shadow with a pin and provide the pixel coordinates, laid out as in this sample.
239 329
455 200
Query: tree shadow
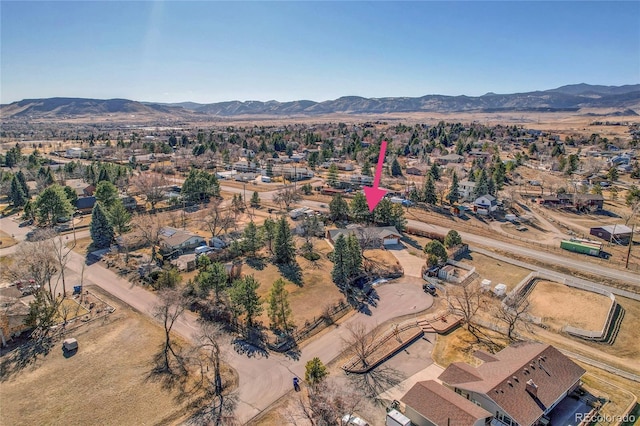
21 356
292 272
258 263
412 242
378 380
175 378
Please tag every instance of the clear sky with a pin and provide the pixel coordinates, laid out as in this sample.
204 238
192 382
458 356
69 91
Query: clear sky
215 51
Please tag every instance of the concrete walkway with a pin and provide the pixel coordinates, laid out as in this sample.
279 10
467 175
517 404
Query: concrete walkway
411 264
430 373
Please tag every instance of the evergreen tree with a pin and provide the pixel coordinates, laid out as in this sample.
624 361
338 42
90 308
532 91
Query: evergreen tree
212 277
245 298
366 168
101 230
339 274
396 170
119 218
255 199
434 171
106 194
491 186
332 175
499 174
52 204
71 195
269 170
452 239
338 208
315 372
360 209
285 250
269 233
23 184
435 248
17 197
354 256
429 195
482 185
278 307
251 242
104 175
454 192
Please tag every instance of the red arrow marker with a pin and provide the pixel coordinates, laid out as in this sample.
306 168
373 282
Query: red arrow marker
373 193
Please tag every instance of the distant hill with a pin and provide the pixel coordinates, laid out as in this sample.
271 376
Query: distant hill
566 98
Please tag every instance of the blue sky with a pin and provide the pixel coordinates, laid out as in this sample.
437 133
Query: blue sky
216 51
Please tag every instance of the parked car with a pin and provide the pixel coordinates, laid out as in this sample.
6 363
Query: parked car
29 289
350 419
429 288
26 223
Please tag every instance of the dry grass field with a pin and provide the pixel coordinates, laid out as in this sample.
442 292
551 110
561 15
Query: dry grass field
309 300
459 346
496 270
106 382
559 305
6 240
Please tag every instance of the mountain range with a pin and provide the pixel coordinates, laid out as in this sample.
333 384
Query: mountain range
625 99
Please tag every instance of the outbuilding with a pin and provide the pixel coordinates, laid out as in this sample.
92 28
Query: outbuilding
618 234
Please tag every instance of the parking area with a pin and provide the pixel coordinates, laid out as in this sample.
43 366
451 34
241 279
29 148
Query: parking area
411 264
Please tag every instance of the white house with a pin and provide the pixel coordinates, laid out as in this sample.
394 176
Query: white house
486 202
465 188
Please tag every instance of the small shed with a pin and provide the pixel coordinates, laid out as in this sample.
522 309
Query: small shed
70 344
485 285
500 290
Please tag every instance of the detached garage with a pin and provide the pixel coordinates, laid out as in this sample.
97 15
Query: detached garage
617 234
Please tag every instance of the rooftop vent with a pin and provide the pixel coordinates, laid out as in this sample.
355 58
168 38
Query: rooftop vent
515 378
533 367
526 371
532 388
509 383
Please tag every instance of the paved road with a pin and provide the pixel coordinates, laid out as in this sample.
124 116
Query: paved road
263 378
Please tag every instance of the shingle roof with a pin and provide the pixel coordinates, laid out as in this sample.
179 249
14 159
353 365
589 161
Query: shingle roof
174 237
377 232
442 406
85 202
504 380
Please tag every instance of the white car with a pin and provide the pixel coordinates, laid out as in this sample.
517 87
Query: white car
352 419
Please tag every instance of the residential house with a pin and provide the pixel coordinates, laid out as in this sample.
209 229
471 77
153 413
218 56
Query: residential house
13 314
84 205
465 188
428 403
415 171
172 240
486 202
74 152
588 201
129 202
88 191
520 385
450 158
243 166
358 179
371 237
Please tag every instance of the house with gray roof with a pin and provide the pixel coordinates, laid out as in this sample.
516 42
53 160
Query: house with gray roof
370 237
172 240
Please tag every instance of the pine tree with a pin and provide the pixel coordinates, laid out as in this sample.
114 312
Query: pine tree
338 208
482 185
285 250
434 171
491 186
454 192
340 274
17 197
315 372
396 170
269 233
354 256
119 218
269 170
101 230
429 195
332 175
278 307
251 242
245 298
212 277
255 199
366 168
23 183
359 208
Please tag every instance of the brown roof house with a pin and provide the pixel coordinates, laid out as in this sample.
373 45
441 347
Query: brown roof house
429 403
519 385
371 237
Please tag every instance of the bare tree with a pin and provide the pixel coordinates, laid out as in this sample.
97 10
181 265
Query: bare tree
223 400
360 342
62 253
287 196
171 305
148 227
513 311
152 186
324 404
466 301
218 219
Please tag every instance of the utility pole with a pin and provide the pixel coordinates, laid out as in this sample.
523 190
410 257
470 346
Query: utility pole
633 227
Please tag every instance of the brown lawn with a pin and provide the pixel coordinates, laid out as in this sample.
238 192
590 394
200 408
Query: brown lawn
459 346
309 300
559 305
106 382
6 240
496 270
